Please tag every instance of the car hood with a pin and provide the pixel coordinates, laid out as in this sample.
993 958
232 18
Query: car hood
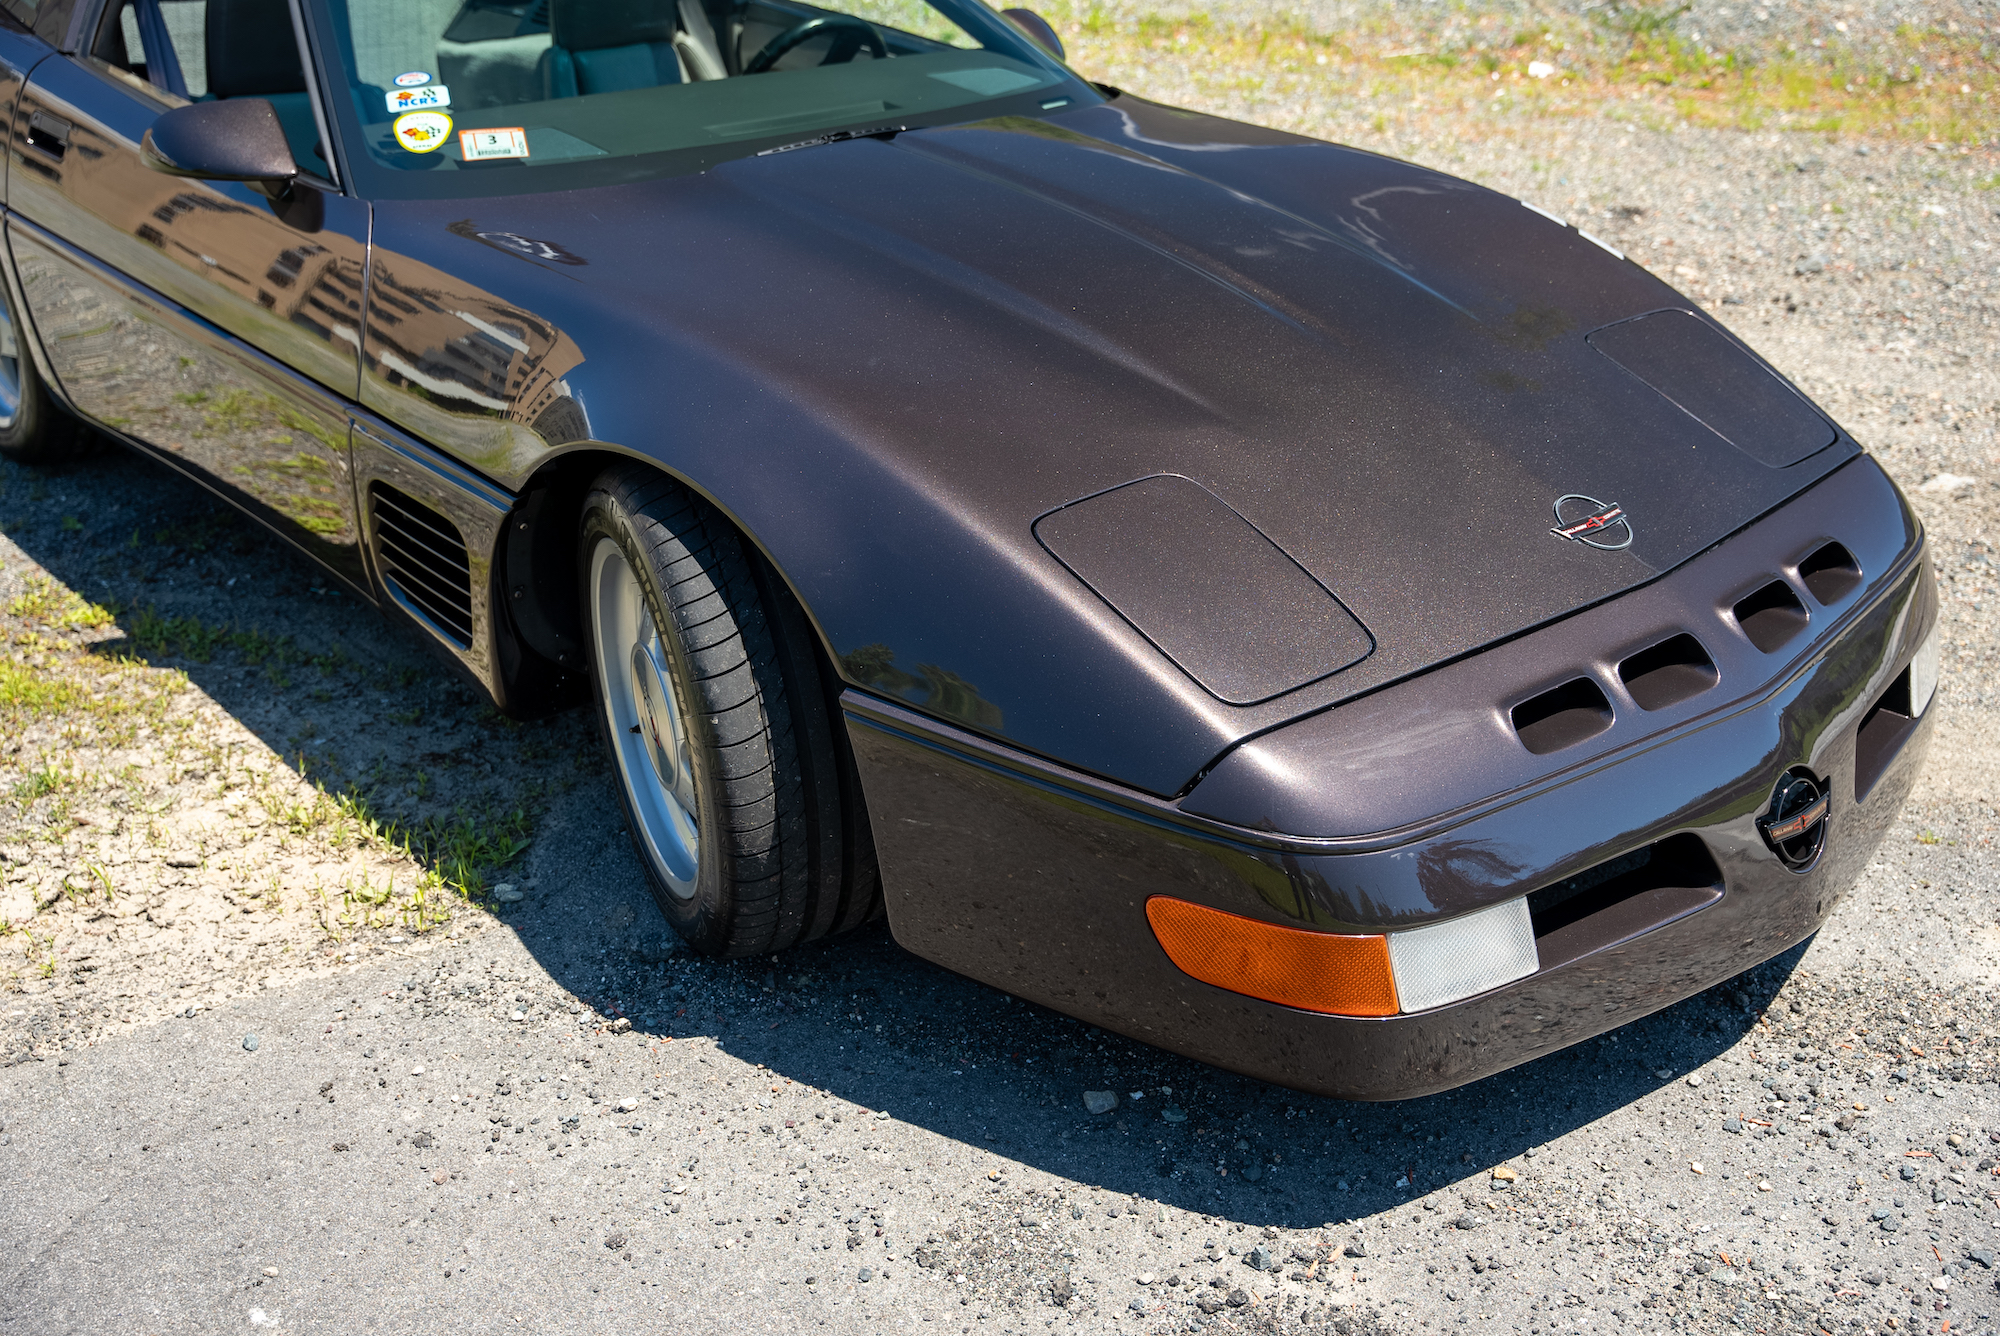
889 359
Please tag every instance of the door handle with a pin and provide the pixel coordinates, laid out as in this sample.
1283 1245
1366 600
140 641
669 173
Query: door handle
49 133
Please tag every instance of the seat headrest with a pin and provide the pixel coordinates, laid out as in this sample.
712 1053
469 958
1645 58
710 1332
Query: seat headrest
251 49
593 25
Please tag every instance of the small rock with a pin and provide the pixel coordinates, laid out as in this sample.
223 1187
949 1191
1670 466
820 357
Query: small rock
1173 1114
1890 1224
1253 1173
1237 1298
1983 1256
1812 264
1147 1278
1031 1222
416 1071
1940 1283
1695 1166
1503 1174
1355 1249
1909 1173
1665 1074
270 1270
1764 1185
340 1145
1467 1221
422 1141
508 894
1259 1259
1733 1125
627 1104
865 1274
1208 1304
1948 484
439 1177
620 1026
1694 1079
250 1043
614 1241
1099 1101
1061 1291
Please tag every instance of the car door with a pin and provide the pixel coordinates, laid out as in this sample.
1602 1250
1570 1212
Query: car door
212 323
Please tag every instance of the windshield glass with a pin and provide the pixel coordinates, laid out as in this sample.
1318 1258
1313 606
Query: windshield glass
461 97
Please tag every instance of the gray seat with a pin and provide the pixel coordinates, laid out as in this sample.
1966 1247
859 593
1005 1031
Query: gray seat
252 52
607 46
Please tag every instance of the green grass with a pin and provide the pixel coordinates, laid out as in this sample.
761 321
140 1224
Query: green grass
1926 84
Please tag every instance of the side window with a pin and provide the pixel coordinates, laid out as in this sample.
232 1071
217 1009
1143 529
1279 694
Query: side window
160 42
201 50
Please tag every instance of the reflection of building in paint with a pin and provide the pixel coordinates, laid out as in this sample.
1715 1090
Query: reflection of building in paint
466 352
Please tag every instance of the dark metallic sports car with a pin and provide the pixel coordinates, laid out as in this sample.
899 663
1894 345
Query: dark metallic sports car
1280 603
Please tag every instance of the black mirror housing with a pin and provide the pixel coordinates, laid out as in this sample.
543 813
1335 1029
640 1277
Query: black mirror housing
237 140
1037 28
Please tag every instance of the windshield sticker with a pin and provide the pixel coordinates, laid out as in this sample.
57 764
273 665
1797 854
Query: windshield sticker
422 131
503 142
419 99
414 79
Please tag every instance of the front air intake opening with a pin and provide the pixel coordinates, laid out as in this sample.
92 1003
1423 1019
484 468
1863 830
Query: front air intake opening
1830 574
1668 673
1771 616
1574 712
1884 729
424 562
1622 898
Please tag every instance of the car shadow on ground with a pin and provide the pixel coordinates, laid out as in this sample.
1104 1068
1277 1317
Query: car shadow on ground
361 700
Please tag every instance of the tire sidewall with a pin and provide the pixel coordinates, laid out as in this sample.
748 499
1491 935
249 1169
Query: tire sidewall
702 917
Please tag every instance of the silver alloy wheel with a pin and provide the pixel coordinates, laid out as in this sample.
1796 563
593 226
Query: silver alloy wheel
648 724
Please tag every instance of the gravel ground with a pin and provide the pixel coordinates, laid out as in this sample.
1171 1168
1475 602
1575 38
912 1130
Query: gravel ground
848 1138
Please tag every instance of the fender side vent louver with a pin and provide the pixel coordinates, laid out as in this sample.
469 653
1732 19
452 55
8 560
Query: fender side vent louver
424 562
1574 712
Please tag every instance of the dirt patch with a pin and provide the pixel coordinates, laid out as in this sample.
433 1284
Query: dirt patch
217 770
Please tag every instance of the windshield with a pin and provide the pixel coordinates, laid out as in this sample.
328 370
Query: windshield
463 97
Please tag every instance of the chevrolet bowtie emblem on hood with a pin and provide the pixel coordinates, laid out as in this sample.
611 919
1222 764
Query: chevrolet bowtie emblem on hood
1586 520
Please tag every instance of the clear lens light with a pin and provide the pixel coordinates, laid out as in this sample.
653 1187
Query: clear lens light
1443 962
1924 673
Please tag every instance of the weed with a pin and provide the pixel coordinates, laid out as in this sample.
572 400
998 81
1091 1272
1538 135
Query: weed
71 524
53 605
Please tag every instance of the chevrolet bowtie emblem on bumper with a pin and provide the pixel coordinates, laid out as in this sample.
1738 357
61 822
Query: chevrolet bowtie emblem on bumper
1795 828
1586 520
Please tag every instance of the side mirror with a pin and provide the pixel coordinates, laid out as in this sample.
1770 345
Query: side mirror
237 140
1037 28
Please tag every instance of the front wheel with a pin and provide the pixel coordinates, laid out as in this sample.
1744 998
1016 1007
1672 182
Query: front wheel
32 429
741 804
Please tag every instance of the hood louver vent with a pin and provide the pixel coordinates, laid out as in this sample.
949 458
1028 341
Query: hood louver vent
424 562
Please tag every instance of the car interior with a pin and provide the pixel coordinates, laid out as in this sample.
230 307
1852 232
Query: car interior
537 65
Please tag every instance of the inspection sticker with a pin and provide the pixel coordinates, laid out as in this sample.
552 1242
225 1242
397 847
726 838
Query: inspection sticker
422 131
414 79
507 141
419 99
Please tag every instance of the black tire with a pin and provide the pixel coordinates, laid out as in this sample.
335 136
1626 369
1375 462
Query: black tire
38 432
782 853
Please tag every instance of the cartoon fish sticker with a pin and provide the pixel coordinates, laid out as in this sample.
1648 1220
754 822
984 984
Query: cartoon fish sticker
422 131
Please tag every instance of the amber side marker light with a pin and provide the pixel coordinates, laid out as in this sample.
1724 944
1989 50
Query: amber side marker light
1313 971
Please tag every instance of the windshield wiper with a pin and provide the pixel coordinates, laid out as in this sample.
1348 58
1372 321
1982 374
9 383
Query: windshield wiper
837 137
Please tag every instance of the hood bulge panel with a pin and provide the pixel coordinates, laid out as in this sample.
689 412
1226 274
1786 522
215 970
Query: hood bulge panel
887 359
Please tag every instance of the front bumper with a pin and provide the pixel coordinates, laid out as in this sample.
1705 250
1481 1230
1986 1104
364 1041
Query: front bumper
1034 879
